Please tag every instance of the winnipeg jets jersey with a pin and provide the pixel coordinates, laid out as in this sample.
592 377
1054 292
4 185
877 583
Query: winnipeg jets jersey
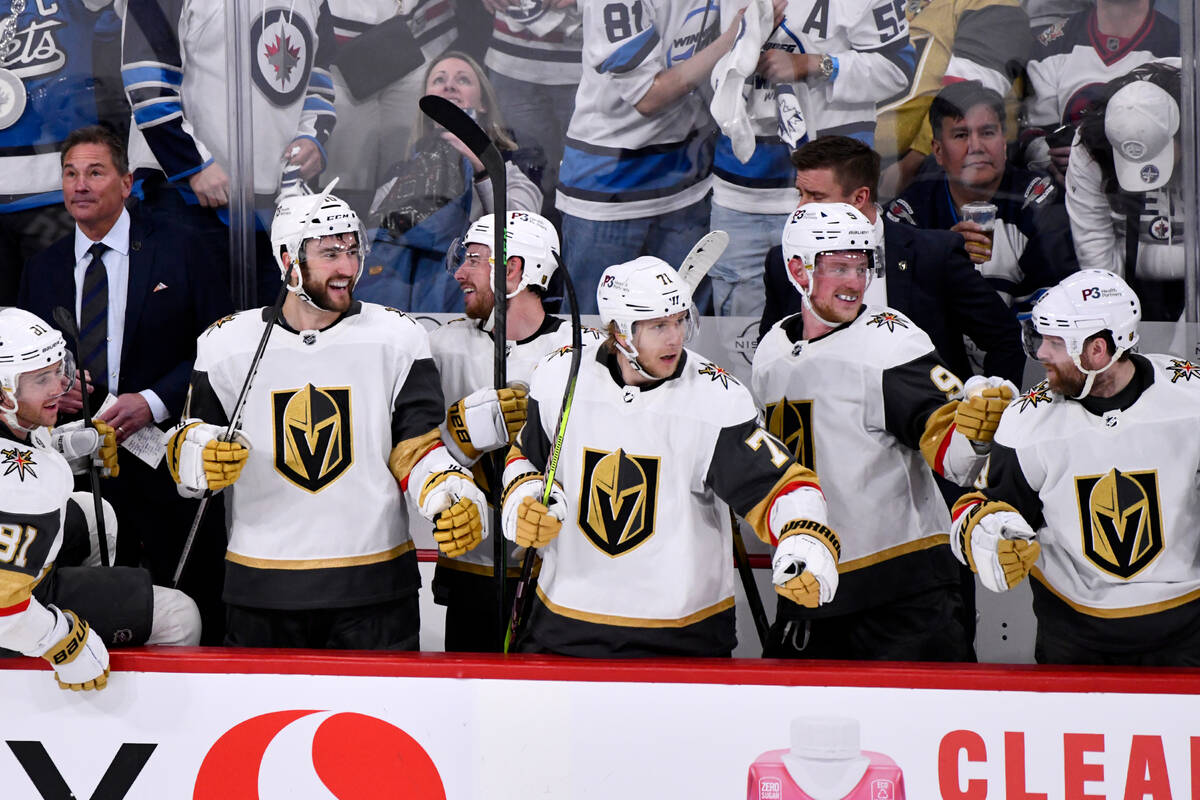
317 519
1072 60
464 355
175 74
869 38
1114 498
535 42
642 562
617 163
857 405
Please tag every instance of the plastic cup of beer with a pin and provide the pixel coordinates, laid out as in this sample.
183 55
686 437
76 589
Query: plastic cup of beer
983 214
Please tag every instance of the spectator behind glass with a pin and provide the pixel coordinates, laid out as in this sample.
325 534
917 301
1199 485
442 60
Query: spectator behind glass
431 197
1071 62
1030 246
1125 196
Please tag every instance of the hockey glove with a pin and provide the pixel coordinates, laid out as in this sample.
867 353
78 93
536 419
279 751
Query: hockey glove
978 414
79 442
997 544
450 499
487 419
525 519
199 460
804 568
79 657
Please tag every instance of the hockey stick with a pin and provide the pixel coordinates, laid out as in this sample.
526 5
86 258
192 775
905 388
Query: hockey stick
458 122
520 598
753 598
66 323
702 257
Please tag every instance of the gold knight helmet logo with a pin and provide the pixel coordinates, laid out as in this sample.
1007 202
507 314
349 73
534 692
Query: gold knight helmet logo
313 437
1121 521
790 421
619 499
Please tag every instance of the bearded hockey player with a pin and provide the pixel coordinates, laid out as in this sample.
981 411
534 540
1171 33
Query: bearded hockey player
480 418
1092 487
340 419
66 615
660 443
858 393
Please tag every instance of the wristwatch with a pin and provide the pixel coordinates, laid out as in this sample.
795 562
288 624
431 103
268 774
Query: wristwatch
826 67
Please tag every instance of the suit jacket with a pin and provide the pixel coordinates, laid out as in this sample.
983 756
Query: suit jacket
160 326
931 280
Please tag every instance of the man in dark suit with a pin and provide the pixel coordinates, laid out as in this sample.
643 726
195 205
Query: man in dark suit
141 295
928 275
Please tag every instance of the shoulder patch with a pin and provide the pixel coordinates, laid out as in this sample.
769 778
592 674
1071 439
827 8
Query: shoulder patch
899 210
888 318
19 461
1051 32
222 321
1181 369
1039 191
715 374
1034 397
559 352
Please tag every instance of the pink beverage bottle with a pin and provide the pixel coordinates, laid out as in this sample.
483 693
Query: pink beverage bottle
769 779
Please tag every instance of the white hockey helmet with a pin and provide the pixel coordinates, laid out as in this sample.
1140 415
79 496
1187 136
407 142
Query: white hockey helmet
643 289
816 228
301 217
1081 305
27 344
527 235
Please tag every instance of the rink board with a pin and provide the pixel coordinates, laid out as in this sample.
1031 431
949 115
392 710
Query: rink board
235 724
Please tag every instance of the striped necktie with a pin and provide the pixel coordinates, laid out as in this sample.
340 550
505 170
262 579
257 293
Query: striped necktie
93 318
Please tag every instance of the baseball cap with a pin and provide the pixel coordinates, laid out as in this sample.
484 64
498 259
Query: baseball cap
1140 123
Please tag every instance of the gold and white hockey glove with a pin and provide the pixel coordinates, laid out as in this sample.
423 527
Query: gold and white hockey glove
804 567
984 400
83 445
450 499
199 460
78 655
487 419
524 519
996 543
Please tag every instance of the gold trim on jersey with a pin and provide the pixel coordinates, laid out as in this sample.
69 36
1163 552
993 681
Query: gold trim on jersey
1120 520
407 453
636 622
618 499
937 427
319 563
17 587
313 438
790 421
756 517
485 570
1116 613
925 543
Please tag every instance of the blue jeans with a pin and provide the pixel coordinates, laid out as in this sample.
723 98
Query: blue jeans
737 278
591 246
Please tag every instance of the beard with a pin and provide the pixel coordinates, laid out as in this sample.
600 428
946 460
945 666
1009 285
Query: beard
1064 383
321 297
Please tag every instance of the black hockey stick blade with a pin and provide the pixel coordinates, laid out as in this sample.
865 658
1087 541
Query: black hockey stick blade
66 323
458 122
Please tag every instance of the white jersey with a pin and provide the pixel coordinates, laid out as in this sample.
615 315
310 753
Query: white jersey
856 405
874 62
533 42
317 518
617 163
464 355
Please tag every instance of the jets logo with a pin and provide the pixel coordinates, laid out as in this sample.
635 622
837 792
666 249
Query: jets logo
1034 397
1182 369
1051 33
790 421
1120 520
313 438
281 55
18 461
618 502
888 318
901 211
716 373
219 323
526 11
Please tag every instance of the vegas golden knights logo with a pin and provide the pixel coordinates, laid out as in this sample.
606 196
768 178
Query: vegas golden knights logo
618 505
1121 520
313 437
790 421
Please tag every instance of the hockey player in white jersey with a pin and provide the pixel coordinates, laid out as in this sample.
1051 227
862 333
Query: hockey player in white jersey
858 393
67 615
1092 487
660 443
342 417
481 418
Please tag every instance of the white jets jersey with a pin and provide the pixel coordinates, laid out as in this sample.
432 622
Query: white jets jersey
464 355
1114 497
869 38
854 405
316 517
175 74
617 163
535 42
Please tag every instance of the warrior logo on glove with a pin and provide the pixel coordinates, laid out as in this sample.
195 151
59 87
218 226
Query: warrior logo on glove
790 421
1121 520
313 438
620 493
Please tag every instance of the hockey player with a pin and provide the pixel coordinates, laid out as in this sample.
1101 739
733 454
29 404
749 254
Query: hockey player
340 419
480 418
859 394
660 440
67 615
1092 487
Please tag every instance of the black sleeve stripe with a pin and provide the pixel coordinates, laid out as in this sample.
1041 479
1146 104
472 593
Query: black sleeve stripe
741 474
910 397
1006 482
32 545
533 442
203 403
419 406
